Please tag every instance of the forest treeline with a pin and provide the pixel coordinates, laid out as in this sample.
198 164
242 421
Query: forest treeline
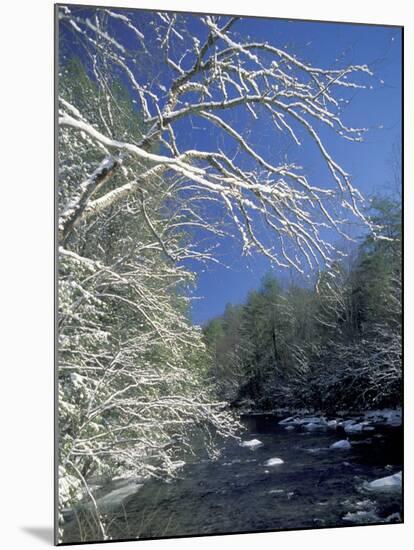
331 347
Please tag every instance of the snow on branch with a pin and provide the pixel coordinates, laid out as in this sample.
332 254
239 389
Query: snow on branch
223 78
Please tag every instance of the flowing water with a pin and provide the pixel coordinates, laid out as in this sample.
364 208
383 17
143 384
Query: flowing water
314 486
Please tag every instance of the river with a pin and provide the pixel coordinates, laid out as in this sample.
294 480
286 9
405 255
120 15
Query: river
315 486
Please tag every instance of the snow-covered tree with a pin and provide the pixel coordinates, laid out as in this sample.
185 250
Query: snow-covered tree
133 391
140 195
205 73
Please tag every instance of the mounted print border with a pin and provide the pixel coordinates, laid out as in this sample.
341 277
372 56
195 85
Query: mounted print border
229 265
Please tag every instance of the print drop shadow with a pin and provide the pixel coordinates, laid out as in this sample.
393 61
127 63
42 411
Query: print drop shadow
42 533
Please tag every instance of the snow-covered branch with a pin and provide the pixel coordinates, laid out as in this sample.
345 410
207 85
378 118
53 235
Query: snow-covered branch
225 78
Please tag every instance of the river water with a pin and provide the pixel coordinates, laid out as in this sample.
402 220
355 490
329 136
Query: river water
314 486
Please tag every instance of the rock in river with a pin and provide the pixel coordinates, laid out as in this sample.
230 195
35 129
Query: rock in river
251 444
342 444
389 483
273 461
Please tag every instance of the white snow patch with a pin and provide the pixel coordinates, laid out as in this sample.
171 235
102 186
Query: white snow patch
361 516
273 461
117 496
313 420
358 428
305 422
177 465
251 444
389 483
288 420
391 417
342 444
317 424
345 423
396 516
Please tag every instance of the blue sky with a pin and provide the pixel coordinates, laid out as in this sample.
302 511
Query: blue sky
330 45
378 109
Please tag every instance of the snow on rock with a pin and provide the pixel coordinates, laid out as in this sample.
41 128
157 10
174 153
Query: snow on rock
177 465
358 424
273 462
251 444
313 420
390 417
345 423
395 517
342 444
288 420
305 421
363 512
116 497
350 427
361 516
389 483
368 428
317 424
